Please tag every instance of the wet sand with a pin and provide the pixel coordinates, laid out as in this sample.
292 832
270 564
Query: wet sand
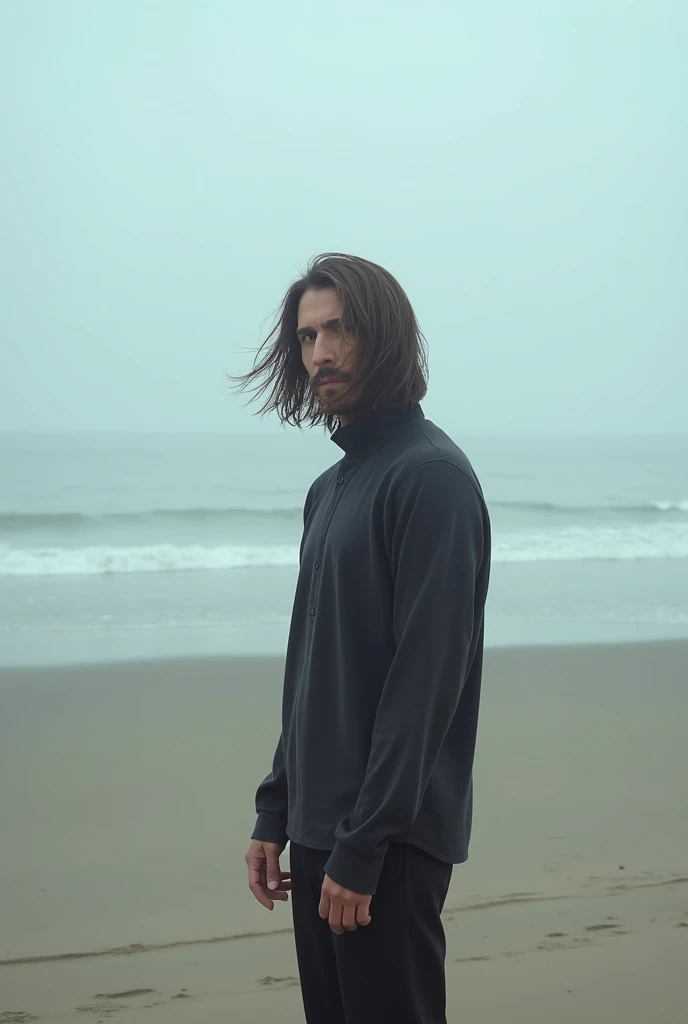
126 804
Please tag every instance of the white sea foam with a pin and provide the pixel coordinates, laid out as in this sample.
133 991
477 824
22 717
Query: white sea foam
601 543
630 543
671 506
95 561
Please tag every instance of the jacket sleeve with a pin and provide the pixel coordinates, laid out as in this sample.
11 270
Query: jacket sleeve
272 795
271 803
436 541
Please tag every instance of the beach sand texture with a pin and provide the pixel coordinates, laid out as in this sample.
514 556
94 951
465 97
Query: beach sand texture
126 805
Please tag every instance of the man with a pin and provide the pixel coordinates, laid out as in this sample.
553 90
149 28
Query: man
372 776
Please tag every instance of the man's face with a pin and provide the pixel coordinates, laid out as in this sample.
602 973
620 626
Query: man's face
328 349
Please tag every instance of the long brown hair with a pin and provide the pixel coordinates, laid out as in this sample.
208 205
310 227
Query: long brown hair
391 353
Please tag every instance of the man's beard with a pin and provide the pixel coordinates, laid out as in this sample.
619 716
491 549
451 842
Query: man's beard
338 376
338 399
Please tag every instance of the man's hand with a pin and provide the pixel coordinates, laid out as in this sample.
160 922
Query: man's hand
266 880
344 909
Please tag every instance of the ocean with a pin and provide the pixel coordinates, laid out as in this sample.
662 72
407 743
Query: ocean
125 546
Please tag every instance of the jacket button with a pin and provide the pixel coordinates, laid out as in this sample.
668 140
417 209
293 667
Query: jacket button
311 612
317 565
340 480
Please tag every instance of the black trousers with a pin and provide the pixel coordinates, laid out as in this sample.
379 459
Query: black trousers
392 971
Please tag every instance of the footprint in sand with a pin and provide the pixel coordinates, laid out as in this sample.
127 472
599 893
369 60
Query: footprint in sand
600 927
100 1010
107 1002
270 982
554 942
130 993
16 1017
554 946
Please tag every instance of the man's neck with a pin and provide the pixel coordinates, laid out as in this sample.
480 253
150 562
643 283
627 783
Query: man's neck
346 418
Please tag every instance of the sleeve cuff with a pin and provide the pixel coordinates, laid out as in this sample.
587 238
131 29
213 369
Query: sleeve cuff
271 828
360 874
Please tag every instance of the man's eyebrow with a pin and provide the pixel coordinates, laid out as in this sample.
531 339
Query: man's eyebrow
329 325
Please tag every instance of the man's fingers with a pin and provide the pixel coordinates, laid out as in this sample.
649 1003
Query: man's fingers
261 895
262 898
363 914
335 918
282 893
265 879
349 918
257 883
274 874
255 876
343 909
355 914
256 870
268 897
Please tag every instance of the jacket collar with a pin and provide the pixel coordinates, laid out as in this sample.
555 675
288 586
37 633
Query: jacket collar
373 429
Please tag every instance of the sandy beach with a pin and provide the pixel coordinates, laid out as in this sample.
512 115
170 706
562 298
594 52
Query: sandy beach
126 804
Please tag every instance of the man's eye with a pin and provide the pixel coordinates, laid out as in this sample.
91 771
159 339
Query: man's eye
306 338
348 329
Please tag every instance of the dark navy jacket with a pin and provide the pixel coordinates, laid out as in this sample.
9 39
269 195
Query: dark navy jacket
383 668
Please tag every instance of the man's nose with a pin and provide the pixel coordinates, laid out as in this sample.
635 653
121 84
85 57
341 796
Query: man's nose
324 353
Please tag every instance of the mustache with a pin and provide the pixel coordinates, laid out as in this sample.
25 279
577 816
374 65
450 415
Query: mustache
325 374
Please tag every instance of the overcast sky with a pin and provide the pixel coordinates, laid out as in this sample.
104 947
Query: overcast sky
168 166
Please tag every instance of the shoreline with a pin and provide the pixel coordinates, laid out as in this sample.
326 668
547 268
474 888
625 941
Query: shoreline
65 650
137 616
151 666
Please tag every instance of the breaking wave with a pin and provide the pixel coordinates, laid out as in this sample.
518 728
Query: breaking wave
18 521
629 543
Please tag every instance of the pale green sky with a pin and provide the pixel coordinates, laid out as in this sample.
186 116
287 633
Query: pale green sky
169 165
